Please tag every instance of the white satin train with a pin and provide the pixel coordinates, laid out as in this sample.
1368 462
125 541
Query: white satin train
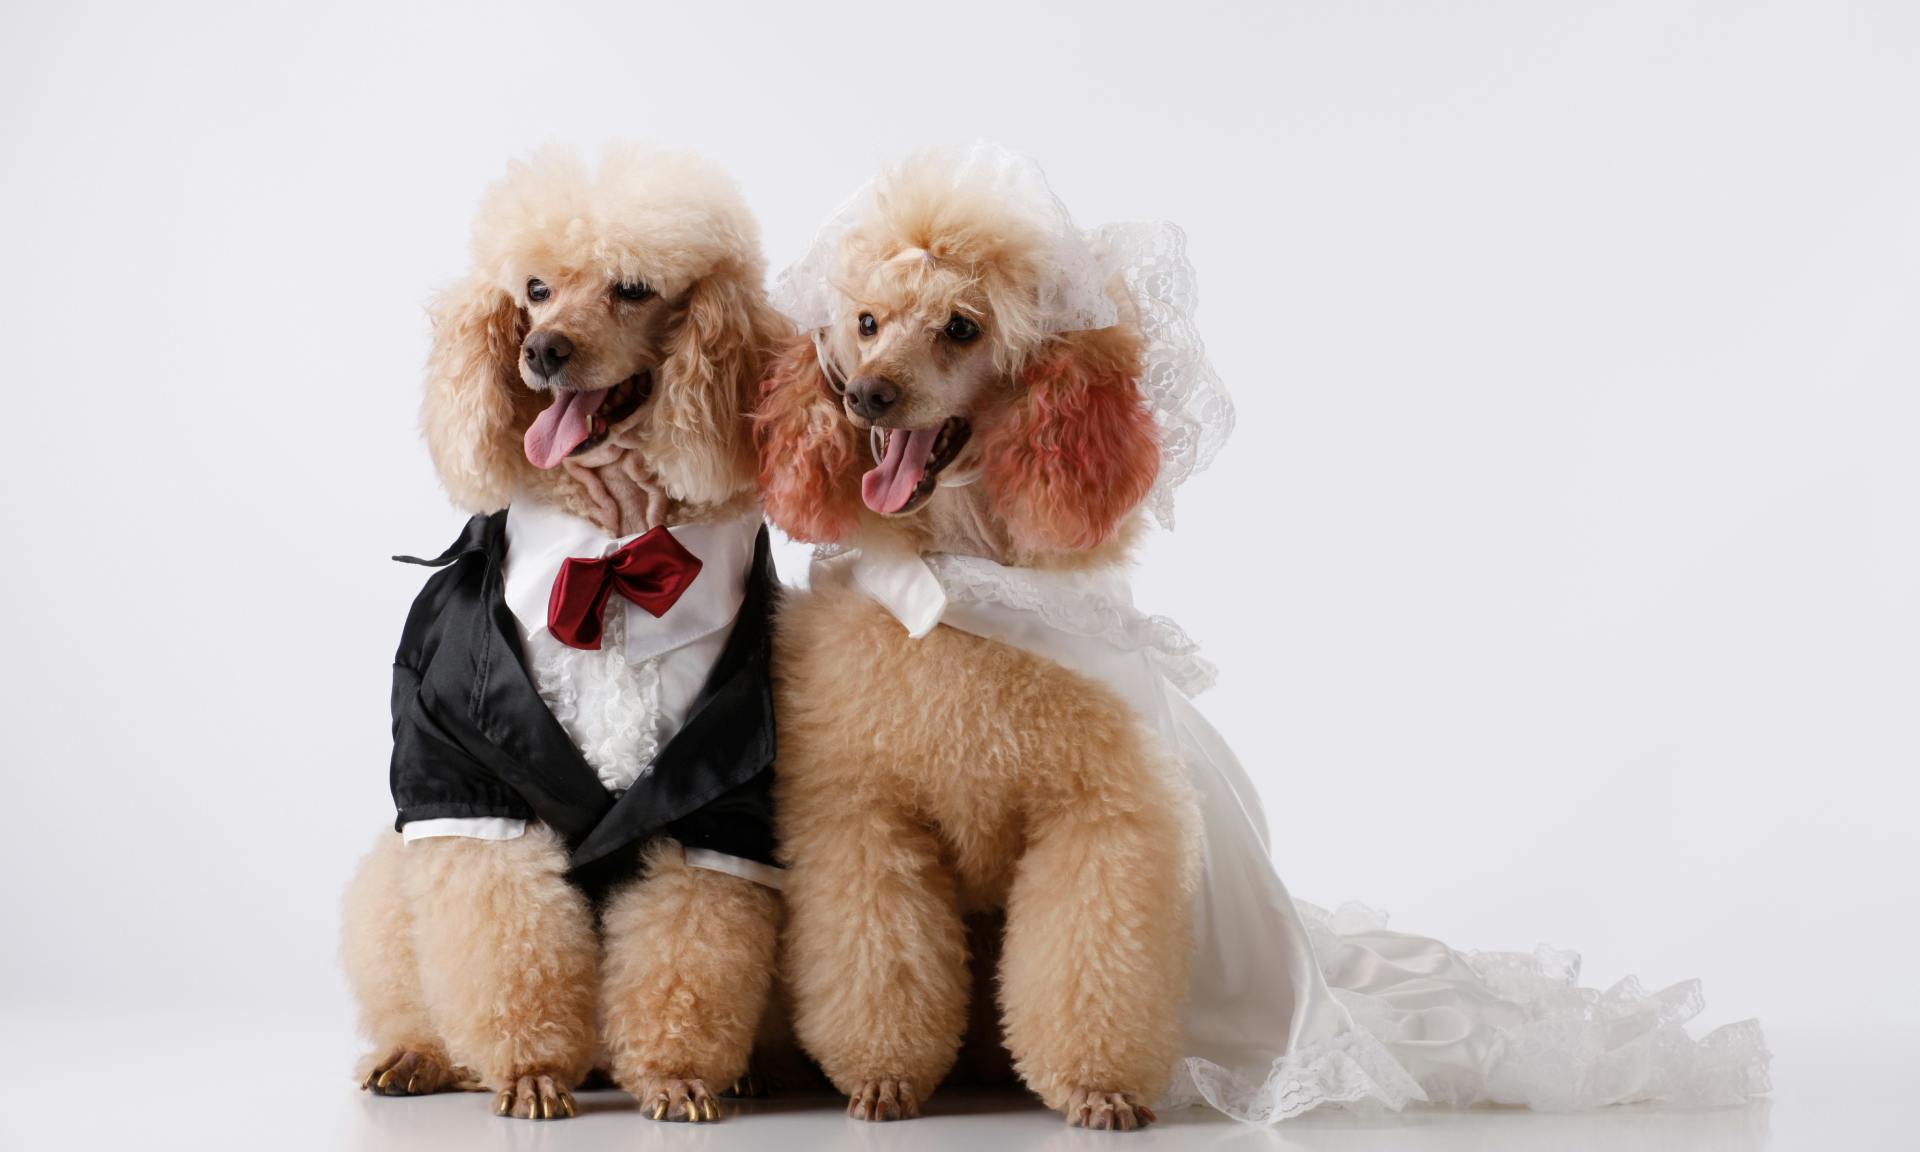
1292 1007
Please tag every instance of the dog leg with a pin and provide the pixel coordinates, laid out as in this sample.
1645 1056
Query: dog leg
876 950
507 961
689 958
408 1058
1098 934
778 1065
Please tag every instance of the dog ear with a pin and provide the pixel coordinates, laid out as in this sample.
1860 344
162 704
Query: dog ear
810 457
1079 450
705 386
473 388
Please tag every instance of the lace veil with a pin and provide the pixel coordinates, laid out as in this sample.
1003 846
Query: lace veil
1148 259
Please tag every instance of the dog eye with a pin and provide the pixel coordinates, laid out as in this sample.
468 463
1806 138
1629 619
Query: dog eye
867 324
537 290
959 329
635 291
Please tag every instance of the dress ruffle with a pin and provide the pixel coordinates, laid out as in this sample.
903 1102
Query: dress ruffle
1525 1032
1351 1068
1533 1037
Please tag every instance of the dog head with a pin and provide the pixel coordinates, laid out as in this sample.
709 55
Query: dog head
940 366
611 318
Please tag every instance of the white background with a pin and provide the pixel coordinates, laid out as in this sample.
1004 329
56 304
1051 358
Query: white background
1562 572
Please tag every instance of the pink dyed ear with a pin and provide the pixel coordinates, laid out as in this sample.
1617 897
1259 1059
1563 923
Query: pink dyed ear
809 455
1078 452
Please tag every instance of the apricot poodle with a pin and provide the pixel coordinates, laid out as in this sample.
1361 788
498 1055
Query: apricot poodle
600 361
924 780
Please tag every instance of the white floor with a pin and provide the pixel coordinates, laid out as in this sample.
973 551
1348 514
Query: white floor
210 1083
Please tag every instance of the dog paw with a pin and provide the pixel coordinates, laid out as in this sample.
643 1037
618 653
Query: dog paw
748 1087
883 1100
534 1097
683 1100
411 1072
1107 1111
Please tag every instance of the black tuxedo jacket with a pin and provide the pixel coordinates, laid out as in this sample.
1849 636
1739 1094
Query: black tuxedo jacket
471 736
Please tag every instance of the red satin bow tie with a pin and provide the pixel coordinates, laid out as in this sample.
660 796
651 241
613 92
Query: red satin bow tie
652 571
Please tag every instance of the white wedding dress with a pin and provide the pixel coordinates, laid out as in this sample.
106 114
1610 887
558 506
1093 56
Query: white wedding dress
1292 1007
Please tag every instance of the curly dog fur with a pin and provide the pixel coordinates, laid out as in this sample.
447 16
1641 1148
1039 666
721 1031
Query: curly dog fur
924 781
477 963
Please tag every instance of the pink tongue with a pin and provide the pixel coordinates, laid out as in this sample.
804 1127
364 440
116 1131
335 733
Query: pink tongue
891 483
561 428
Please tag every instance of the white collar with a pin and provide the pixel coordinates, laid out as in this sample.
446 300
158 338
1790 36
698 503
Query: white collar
1030 608
899 580
540 537
918 589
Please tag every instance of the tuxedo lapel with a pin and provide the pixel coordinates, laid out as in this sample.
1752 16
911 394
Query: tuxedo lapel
541 761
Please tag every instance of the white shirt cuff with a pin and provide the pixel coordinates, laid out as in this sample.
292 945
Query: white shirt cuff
752 870
471 827
503 828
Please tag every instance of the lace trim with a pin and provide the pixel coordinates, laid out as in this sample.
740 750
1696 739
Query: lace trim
1079 610
1352 1068
1571 1047
1189 401
608 706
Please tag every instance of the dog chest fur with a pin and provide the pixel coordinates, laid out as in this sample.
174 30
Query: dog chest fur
975 750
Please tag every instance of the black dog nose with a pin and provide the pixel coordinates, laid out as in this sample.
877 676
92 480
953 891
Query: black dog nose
547 352
871 396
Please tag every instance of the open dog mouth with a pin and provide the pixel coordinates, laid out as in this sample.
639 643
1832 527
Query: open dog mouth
579 422
910 463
